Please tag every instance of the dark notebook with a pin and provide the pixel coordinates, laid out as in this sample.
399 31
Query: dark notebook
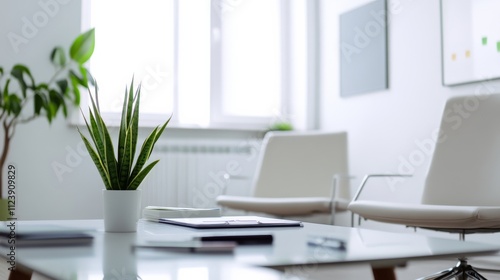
46 235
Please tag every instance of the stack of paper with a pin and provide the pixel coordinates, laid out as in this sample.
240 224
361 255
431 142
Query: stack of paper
155 213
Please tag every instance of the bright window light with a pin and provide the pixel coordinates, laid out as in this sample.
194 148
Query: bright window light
134 39
251 59
205 62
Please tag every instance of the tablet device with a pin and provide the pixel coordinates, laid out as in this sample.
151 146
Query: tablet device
231 222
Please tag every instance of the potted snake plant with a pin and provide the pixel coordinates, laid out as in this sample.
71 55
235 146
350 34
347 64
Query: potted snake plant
121 171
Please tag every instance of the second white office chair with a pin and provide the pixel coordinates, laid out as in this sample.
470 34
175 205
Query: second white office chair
298 174
462 187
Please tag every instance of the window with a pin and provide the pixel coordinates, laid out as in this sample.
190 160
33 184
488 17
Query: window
220 63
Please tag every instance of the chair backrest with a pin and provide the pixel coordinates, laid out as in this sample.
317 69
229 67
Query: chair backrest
301 164
465 166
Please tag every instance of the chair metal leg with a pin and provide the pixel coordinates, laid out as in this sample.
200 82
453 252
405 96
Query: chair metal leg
461 271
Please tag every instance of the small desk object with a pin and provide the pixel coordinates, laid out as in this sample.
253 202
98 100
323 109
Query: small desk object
231 222
284 249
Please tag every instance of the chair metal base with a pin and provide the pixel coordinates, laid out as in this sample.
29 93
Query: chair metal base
461 271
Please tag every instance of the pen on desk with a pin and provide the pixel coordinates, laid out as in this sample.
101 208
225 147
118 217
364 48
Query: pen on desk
246 239
327 242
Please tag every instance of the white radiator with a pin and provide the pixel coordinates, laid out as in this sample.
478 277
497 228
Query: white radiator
192 173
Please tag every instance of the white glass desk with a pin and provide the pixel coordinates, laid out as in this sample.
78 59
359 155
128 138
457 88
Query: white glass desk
111 257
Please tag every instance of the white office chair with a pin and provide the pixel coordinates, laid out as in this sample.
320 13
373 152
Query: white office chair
297 175
462 187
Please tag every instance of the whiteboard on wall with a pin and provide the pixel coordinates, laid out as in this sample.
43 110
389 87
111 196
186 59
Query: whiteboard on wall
470 40
363 49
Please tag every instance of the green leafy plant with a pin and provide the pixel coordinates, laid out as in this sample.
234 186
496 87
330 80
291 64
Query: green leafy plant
120 172
19 90
281 126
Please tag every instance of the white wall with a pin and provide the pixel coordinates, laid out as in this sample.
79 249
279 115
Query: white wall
56 179
391 131
36 145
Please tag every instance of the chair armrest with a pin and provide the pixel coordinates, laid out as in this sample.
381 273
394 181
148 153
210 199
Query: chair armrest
365 180
335 183
363 184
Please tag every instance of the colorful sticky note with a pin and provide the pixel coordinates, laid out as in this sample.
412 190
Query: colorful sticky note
484 40
498 46
453 57
467 53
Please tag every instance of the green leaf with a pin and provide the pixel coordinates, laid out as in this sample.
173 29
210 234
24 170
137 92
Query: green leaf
159 132
83 47
84 72
80 80
111 160
97 161
39 103
122 172
125 162
96 135
144 153
109 154
57 57
14 104
100 125
19 72
123 132
5 93
63 86
137 180
90 77
134 122
57 100
76 90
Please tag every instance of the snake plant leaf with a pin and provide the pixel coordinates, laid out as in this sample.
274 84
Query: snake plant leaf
108 154
57 57
111 161
120 169
96 136
159 132
144 153
137 180
83 47
97 161
127 105
122 135
99 127
126 159
103 140
134 123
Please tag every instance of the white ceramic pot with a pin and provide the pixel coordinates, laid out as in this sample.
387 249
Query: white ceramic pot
121 210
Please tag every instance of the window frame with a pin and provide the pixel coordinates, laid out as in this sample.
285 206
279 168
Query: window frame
217 119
